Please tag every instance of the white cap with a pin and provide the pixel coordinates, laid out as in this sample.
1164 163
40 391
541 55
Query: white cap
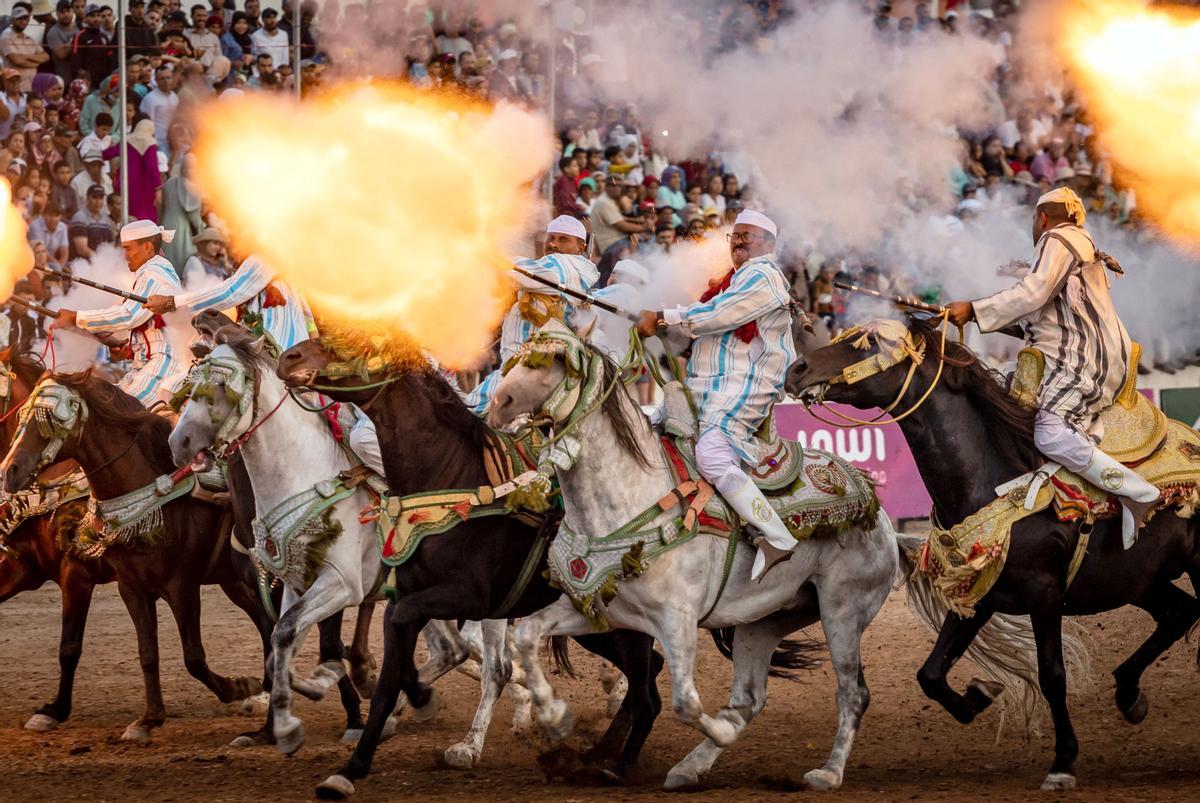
505 55
565 224
144 229
628 271
749 217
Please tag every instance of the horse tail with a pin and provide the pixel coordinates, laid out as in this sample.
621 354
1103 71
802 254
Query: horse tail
559 648
791 657
1005 648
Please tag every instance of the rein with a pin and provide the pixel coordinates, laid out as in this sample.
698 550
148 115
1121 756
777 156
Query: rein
912 370
236 444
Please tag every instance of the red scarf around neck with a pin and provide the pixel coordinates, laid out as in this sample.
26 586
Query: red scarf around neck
747 331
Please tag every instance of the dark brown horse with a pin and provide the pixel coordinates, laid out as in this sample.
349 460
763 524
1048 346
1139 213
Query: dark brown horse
969 437
34 554
430 441
122 447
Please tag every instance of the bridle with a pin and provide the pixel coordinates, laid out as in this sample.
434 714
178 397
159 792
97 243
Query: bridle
223 369
57 411
894 345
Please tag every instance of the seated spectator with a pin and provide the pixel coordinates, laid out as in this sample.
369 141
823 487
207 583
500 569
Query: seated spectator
101 136
49 230
609 223
670 193
504 84
210 258
731 191
1050 160
587 195
712 196
93 174
565 188
62 194
992 159
236 44
91 226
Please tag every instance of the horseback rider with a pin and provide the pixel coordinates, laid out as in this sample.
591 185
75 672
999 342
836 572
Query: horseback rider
263 302
157 369
566 263
1065 307
741 332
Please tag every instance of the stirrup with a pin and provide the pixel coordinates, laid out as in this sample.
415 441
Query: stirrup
772 554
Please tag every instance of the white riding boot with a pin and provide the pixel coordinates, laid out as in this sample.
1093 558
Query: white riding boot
775 544
1137 496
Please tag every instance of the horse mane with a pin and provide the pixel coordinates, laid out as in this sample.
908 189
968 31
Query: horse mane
625 422
246 347
112 408
448 406
1009 423
28 367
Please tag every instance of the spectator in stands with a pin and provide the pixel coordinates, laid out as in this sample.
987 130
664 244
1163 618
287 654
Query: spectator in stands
1049 161
159 105
565 188
91 226
236 43
50 230
206 42
100 138
144 177
93 174
504 85
12 102
670 192
451 39
140 39
92 49
59 39
18 48
62 194
587 195
210 258
270 39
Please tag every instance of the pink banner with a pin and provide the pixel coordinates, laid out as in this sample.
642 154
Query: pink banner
882 451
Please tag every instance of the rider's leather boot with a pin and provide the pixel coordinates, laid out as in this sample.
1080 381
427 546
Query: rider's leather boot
1137 496
774 542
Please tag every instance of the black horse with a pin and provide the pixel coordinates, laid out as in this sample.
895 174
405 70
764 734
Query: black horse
430 441
967 438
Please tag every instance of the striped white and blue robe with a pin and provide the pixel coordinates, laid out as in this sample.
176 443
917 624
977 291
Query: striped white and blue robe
573 271
735 384
156 366
287 324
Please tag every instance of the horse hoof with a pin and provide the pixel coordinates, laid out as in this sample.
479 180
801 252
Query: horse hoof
822 780
254 706
461 757
136 732
558 721
390 726
351 736
41 723
245 740
427 712
1133 714
988 688
291 740
365 685
335 787
1058 781
680 779
243 688
522 718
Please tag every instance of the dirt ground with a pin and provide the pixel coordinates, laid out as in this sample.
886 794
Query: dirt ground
907 749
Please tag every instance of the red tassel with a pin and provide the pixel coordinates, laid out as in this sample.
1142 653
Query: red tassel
745 332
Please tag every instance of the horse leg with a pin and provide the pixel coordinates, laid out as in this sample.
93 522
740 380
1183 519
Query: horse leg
242 591
517 688
496 670
636 662
677 634
362 663
1174 611
447 650
753 646
1052 678
76 601
956 635
145 622
183 597
470 635
558 618
404 622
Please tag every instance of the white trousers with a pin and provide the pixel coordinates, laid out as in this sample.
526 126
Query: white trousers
1055 439
365 443
719 463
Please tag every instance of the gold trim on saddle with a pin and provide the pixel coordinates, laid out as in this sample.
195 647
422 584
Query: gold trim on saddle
895 345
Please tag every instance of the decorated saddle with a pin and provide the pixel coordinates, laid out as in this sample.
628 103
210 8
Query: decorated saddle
817 494
965 561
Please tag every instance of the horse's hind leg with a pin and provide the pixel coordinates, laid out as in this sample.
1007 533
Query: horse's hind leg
145 623
183 597
558 618
495 672
1174 611
362 663
956 635
753 645
76 601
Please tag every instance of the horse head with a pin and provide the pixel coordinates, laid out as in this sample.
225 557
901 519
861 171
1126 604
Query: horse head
350 365
545 379
219 395
51 418
869 365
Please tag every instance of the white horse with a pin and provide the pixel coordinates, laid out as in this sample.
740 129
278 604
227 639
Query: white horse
333 562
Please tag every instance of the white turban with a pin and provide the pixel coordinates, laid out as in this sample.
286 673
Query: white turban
145 229
565 224
626 271
749 217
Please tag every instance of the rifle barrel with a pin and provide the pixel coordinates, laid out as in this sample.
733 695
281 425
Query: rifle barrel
899 301
573 293
32 307
116 291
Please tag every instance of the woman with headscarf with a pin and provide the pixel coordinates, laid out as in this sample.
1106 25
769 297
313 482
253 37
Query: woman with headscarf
48 86
181 212
670 191
236 44
43 155
144 178
72 104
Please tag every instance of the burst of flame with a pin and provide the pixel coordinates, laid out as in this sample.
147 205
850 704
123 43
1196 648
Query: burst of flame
16 257
384 206
1139 69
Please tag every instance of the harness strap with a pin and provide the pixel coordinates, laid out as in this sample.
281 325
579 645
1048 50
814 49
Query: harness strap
532 561
730 553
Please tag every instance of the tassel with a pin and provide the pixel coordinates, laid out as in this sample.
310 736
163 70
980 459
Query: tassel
534 497
631 562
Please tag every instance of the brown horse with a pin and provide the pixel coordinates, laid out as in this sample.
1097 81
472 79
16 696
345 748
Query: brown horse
122 447
33 554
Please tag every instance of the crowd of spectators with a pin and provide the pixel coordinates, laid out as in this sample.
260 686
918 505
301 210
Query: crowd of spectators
60 113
